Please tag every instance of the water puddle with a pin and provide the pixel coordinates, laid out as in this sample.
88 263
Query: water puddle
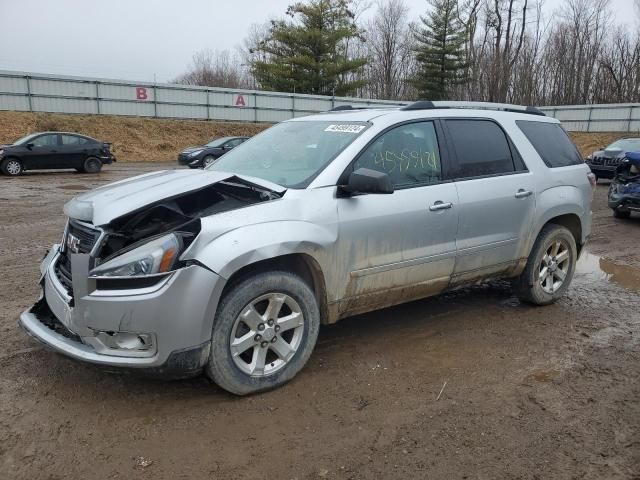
598 268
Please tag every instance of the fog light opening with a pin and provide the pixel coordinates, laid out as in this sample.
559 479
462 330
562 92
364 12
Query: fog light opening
130 341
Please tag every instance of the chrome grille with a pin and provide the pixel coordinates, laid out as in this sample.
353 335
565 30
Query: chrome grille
84 239
86 236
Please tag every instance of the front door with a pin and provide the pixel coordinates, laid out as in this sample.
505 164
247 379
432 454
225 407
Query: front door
400 246
496 198
41 152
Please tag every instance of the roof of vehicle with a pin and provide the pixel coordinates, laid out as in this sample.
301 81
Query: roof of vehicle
422 109
64 133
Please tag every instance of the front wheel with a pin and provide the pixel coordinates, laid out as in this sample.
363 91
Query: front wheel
550 267
264 332
11 167
208 160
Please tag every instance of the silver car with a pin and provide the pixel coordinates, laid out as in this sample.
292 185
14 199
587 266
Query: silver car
233 269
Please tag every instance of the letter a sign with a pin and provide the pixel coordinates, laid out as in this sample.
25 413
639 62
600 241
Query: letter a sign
240 100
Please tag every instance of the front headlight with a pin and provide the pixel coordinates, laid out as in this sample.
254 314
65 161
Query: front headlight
1 151
157 256
197 152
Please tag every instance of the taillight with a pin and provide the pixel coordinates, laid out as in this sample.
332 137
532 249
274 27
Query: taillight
593 180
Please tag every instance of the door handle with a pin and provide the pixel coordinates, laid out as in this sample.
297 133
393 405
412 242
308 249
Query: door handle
522 193
440 205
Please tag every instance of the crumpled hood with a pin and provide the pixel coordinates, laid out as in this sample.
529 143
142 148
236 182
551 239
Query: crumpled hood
102 205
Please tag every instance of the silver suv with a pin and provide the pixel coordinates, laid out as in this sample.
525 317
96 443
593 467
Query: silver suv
232 270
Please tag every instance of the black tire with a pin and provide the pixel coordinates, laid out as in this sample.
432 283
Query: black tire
527 286
222 367
11 167
208 160
621 213
92 165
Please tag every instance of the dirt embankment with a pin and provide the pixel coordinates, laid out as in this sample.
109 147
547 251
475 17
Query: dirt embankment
133 138
148 139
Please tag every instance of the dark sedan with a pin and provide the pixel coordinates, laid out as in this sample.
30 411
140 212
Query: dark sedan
603 163
205 155
49 150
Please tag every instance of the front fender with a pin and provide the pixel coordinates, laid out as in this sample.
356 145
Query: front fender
243 246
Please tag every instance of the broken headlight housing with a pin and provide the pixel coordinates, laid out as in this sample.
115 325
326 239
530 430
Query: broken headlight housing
156 256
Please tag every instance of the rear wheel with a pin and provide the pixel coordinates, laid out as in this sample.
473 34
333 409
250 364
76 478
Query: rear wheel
11 166
92 165
264 333
550 267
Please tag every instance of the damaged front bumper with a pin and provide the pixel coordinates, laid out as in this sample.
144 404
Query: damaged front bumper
164 329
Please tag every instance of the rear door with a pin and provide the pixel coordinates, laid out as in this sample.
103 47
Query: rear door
496 196
73 151
400 246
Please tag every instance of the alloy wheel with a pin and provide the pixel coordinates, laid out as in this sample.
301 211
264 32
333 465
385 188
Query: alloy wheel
13 167
554 266
266 335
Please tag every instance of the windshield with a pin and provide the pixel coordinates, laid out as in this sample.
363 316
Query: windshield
218 142
626 144
290 154
25 139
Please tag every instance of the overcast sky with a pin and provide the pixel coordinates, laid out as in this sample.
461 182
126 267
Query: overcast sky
135 39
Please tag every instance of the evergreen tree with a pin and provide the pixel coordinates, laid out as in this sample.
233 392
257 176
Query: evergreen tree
440 54
308 53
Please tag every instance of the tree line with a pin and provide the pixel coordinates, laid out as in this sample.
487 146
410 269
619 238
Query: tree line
511 51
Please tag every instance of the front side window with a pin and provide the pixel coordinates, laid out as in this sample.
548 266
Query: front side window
45 141
218 142
290 154
233 143
408 153
551 142
481 148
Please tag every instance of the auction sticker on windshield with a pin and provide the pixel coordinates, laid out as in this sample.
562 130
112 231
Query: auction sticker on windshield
345 128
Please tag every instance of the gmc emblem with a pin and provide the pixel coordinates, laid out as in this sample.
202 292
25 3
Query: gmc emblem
73 243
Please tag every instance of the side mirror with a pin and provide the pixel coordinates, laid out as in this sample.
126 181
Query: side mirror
365 180
227 147
29 146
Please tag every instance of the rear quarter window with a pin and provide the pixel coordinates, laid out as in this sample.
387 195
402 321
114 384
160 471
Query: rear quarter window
552 143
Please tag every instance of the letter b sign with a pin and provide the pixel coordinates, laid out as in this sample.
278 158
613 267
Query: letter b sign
141 93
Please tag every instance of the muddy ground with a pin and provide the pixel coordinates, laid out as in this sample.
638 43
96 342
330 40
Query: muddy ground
523 392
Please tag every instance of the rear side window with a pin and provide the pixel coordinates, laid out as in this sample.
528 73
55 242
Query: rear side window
73 140
481 148
551 142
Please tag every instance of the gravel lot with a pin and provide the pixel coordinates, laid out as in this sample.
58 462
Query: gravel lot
523 392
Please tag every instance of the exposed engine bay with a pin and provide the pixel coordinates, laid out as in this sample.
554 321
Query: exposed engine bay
181 214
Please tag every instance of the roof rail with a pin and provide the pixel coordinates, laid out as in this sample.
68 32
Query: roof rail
340 108
506 107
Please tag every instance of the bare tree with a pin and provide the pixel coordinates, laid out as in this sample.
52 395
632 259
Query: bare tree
215 69
391 60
